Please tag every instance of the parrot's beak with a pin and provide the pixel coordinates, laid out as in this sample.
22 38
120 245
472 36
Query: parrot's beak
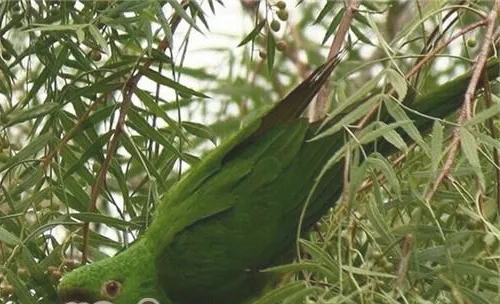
75 295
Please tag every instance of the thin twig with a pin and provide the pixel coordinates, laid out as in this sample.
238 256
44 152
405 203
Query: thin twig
128 90
420 64
318 110
494 134
465 112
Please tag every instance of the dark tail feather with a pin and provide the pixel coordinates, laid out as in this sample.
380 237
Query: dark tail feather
297 100
292 106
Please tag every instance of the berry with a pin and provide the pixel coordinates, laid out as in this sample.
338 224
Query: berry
275 25
281 5
281 45
262 54
282 15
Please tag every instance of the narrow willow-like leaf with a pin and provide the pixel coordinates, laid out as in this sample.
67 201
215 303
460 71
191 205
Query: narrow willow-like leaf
139 124
32 112
380 162
310 266
325 10
393 137
366 272
182 13
280 294
483 115
333 25
150 168
101 41
271 49
362 37
367 137
34 147
320 254
397 112
398 82
196 9
378 222
473 295
95 148
253 33
9 238
348 119
436 145
470 148
104 219
23 294
163 80
158 111
200 130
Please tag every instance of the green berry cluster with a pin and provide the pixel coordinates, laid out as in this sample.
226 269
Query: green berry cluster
282 15
275 26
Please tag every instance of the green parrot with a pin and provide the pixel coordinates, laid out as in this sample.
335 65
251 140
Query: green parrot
237 212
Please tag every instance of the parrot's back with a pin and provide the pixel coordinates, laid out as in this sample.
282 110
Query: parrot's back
238 212
219 259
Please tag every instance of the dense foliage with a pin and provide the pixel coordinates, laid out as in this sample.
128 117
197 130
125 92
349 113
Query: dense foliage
101 110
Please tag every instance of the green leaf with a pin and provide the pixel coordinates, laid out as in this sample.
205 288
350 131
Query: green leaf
196 9
8 238
280 294
379 224
40 80
95 148
349 118
148 101
41 229
333 25
104 219
182 13
396 112
21 291
366 272
393 137
101 41
472 269
34 147
137 154
253 33
305 266
325 10
321 255
200 130
139 124
360 34
398 82
378 161
473 295
469 147
32 112
160 79
271 49
369 136
436 145
483 115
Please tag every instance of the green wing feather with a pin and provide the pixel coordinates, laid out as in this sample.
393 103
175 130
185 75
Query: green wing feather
198 194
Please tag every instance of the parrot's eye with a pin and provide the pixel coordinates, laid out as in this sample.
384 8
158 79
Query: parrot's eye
110 289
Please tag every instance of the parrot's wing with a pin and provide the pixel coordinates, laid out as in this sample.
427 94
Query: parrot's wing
206 189
261 163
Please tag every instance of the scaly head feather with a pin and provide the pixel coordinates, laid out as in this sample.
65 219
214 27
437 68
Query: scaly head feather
129 277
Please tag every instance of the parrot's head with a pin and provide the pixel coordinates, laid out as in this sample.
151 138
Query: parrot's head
129 277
